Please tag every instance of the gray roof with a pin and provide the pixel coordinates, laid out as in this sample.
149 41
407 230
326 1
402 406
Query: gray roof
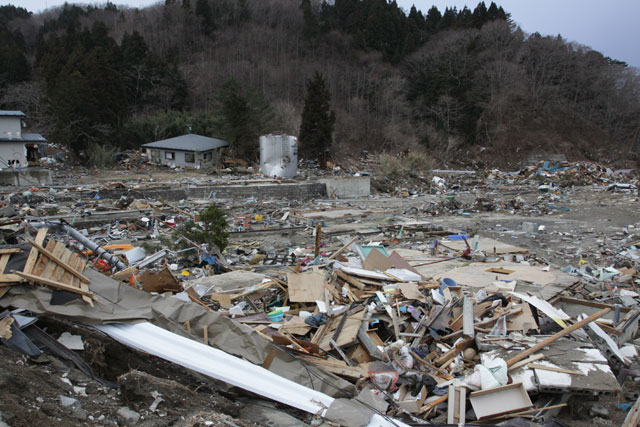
189 142
9 113
26 137
33 137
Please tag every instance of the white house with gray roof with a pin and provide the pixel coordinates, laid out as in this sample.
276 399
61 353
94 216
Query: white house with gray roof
191 151
17 149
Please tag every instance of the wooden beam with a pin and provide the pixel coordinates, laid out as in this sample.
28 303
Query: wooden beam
10 278
33 255
462 345
553 369
526 361
316 251
350 280
339 251
53 283
58 261
556 336
633 416
10 251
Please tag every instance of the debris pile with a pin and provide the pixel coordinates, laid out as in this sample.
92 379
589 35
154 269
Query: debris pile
143 307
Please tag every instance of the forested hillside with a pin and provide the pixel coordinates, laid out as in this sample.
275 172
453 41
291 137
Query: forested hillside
465 85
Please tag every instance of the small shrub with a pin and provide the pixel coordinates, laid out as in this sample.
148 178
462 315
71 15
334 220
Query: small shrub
413 164
212 230
100 156
418 162
391 166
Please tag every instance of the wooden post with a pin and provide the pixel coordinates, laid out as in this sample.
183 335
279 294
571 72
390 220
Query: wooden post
318 237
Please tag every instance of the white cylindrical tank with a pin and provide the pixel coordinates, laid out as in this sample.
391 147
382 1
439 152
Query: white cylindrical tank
279 156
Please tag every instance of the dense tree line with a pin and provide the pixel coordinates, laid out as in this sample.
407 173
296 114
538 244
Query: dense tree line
451 81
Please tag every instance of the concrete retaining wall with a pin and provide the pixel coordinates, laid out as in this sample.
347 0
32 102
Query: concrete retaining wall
302 191
26 177
346 188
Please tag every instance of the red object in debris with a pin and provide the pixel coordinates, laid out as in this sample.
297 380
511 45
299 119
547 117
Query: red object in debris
101 265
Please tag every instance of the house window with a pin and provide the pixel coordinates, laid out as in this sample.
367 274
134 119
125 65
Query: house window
207 156
189 158
169 155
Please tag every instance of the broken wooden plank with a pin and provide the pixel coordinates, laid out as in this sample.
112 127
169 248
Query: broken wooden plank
53 283
553 369
461 346
10 251
10 278
556 336
50 266
337 367
633 417
60 271
339 251
526 361
55 258
33 254
351 280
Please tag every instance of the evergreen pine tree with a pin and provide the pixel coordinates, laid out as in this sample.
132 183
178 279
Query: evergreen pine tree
316 129
311 28
432 21
480 15
203 10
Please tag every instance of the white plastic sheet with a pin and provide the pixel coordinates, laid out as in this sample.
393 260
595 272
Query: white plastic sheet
224 367
217 364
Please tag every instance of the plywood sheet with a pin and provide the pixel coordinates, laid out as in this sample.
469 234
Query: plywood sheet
347 335
306 287
476 274
411 291
376 260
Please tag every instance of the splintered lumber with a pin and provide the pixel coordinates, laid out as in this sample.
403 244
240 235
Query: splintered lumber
553 369
461 346
33 255
9 278
350 280
633 417
337 367
10 251
55 284
557 335
5 327
339 251
58 261
526 361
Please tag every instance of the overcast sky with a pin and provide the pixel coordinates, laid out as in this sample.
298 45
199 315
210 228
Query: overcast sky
610 27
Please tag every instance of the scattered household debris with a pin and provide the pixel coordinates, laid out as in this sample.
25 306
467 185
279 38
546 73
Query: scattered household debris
355 312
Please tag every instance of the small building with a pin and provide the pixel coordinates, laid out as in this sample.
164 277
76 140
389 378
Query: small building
17 149
191 151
